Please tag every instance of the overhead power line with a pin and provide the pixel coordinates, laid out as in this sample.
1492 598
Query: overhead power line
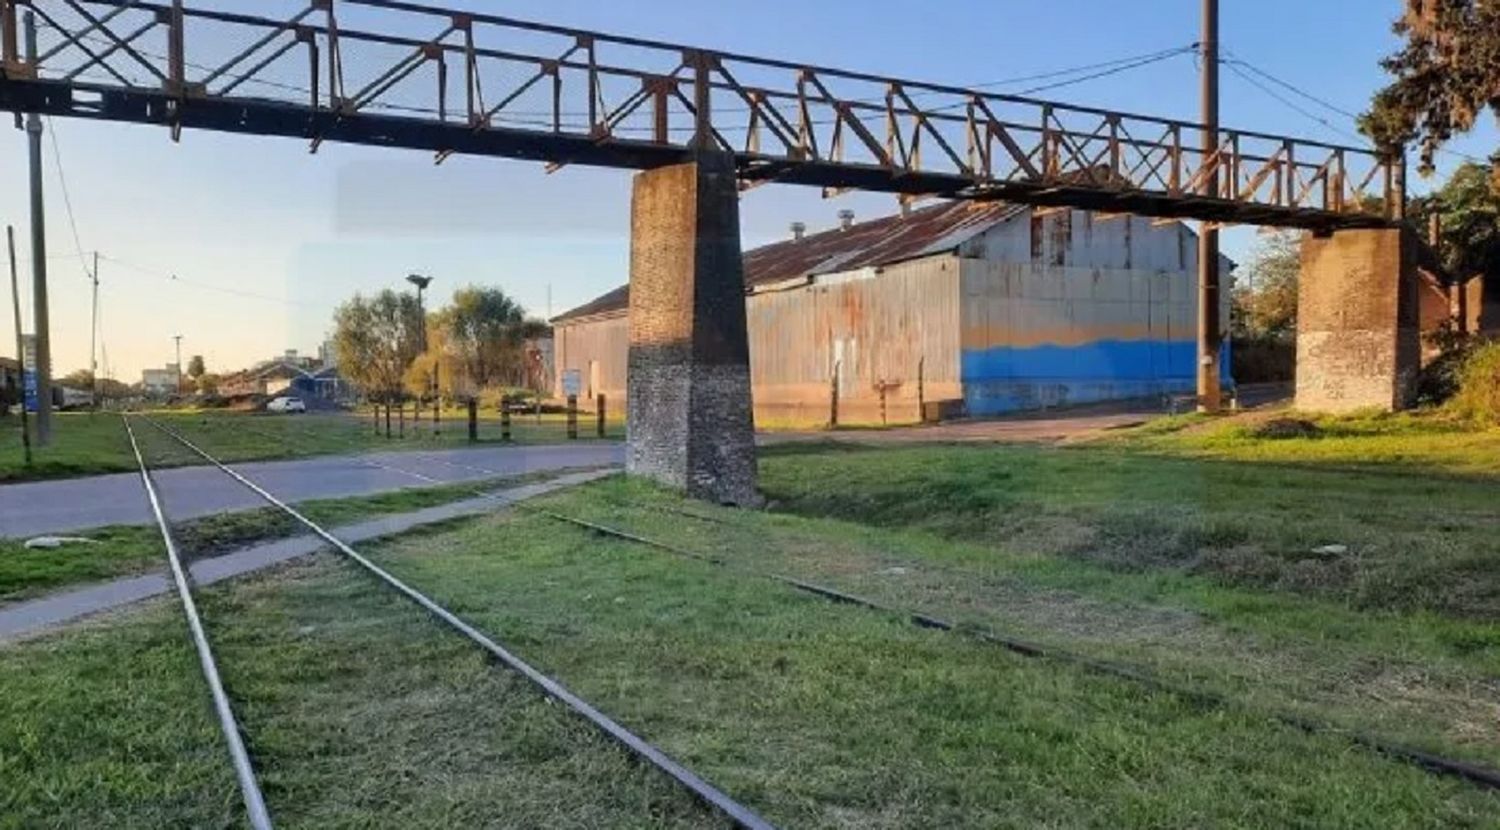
62 180
1235 64
204 286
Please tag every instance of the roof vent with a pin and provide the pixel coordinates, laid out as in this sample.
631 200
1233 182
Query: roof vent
846 219
799 230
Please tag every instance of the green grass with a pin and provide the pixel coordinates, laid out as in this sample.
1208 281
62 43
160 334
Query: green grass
814 714
1419 678
359 711
828 716
82 444
91 444
128 551
109 726
1413 543
114 552
1428 443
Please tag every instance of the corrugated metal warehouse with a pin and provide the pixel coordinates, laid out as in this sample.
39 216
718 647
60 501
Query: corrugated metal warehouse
958 308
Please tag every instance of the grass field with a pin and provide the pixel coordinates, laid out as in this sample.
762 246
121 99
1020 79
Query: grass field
360 712
1424 443
89 444
1190 550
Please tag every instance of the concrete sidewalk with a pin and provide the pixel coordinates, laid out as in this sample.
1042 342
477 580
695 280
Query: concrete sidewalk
32 617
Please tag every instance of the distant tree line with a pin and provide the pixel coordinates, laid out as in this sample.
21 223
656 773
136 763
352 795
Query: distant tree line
393 352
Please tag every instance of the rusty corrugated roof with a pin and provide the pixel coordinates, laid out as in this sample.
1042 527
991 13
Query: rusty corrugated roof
890 239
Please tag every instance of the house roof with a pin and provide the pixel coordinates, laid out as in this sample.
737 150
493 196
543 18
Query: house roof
890 239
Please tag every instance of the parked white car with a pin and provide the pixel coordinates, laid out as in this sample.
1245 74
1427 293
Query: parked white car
287 405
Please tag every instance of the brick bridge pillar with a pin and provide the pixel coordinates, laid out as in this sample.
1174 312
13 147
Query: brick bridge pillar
1358 334
689 418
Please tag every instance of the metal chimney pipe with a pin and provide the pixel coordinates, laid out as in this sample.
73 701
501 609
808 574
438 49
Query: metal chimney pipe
799 230
846 219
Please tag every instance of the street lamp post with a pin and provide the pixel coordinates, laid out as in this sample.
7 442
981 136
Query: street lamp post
178 338
421 282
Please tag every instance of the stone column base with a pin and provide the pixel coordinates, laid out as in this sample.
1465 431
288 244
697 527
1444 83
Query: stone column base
1359 342
689 415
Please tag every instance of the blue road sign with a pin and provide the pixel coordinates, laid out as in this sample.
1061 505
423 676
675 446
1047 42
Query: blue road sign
28 384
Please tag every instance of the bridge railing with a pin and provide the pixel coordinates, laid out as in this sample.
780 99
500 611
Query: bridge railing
644 101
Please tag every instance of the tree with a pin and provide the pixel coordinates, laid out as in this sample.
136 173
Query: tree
1265 296
438 357
1447 73
195 367
78 379
1468 210
208 383
484 332
376 339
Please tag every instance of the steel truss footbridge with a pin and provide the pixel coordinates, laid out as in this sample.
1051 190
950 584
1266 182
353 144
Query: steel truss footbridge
399 74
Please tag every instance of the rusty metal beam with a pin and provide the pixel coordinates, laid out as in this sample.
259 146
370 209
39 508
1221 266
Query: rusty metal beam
796 131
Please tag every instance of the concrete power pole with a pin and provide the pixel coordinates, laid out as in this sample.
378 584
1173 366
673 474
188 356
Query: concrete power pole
94 336
178 338
1210 338
39 263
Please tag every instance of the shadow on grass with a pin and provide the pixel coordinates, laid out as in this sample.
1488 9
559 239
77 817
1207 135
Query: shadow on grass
1374 541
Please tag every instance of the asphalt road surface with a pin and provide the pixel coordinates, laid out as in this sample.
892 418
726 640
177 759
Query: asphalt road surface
50 507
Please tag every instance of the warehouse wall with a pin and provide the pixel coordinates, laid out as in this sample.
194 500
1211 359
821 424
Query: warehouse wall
893 329
1064 309
597 347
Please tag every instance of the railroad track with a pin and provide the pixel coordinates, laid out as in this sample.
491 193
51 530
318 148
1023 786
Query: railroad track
1427 761
256 808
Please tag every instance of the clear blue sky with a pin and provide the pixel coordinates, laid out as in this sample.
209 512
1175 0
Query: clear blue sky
264 216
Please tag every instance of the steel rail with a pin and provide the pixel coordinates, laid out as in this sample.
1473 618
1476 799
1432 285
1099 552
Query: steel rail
244 769
739 814
1431 762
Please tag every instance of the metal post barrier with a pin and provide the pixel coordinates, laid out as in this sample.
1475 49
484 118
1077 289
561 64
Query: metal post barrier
922 390
601 414
473 420
833 398
572 417
505 418
537 406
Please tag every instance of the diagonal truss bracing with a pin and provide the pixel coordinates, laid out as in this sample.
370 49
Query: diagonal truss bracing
389 72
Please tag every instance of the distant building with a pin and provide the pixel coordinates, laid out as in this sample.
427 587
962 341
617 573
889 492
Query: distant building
327 354
286 375
10 380
162 381
972 308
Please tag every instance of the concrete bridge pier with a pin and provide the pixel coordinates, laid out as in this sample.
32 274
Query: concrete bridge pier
1358 331
689 416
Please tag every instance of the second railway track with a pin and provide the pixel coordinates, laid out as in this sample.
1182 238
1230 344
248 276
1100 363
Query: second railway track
257 811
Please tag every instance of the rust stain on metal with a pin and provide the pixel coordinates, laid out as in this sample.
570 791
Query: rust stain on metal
872 244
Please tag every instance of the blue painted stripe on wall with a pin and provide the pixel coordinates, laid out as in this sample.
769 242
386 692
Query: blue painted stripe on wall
1009 379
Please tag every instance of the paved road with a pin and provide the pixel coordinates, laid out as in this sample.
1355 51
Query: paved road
77 504
26 618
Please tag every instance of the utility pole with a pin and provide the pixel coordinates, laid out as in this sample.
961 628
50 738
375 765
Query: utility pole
15 295
39 262
94 335
1210 339
178 338
421 282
